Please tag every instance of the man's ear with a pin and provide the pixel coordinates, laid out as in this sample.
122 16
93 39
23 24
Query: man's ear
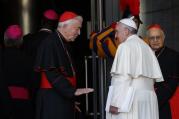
126 31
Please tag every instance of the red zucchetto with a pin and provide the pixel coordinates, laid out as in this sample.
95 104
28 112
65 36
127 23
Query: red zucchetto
67 16
154 26
13 32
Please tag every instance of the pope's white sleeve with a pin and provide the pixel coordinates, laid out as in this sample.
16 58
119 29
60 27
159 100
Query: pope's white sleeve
120 84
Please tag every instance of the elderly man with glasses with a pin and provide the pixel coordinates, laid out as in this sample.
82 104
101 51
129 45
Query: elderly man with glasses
167 91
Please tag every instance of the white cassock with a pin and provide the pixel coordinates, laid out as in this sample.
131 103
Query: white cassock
135 65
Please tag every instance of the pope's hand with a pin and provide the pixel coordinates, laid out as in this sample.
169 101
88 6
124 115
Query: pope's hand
113 110
82 91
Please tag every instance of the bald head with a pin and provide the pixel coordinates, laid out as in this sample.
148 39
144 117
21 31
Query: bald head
155 36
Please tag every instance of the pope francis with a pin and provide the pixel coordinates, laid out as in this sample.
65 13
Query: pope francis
134 71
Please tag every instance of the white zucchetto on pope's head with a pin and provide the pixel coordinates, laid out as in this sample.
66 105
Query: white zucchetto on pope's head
129 22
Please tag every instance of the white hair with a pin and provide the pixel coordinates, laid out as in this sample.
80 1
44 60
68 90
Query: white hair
71 21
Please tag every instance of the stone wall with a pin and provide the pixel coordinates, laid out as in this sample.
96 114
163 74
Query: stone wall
165 13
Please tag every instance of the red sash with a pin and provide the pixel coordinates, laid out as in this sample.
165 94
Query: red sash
17 92
72 81
44 81
46 84
174 104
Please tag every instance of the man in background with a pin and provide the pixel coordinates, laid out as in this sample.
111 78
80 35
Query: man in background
32 41
169 63
17 73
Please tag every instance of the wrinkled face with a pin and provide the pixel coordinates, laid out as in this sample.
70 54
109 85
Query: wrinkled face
120 33
156 38
72 30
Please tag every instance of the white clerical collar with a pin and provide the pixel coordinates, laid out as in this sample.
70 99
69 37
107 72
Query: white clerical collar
131 37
